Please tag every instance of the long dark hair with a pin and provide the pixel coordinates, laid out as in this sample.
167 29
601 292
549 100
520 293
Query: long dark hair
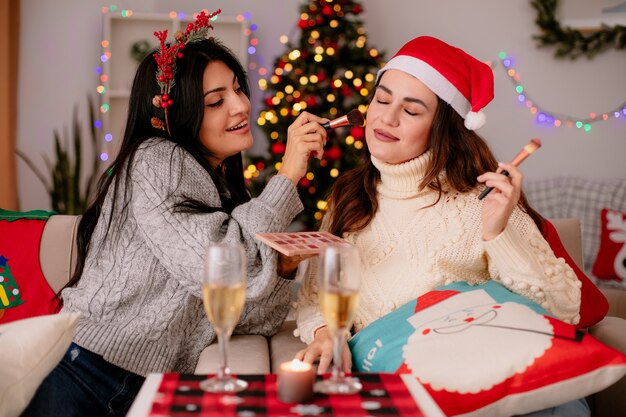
184 119
462 153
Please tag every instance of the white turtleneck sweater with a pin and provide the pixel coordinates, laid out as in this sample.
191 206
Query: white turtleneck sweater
410 248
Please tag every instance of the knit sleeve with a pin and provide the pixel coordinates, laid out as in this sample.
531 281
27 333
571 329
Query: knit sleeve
522 260
162 177
308 315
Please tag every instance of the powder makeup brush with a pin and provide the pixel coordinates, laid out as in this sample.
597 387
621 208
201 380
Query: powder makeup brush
353 118
530 147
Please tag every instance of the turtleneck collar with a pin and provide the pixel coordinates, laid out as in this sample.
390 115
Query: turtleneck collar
402 180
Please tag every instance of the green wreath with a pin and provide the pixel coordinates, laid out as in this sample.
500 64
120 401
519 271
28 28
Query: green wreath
571 42
140 49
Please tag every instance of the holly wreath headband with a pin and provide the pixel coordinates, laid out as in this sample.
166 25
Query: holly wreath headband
166 58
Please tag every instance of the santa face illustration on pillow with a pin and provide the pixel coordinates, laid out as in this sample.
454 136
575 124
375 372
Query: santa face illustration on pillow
498 340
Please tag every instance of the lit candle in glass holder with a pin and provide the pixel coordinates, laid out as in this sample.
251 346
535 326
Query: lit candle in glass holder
295 381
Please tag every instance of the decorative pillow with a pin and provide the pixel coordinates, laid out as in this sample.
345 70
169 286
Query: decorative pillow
610 263
29 350
24 291
593 304
483 350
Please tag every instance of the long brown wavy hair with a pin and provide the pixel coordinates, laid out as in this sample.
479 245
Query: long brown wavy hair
462 153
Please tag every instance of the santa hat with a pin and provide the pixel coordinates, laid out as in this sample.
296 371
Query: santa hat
455 76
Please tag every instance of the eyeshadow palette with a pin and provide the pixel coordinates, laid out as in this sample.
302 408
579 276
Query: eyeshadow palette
298 243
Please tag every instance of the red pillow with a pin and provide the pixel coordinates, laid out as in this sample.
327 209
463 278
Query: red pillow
610 263
24 291
593 304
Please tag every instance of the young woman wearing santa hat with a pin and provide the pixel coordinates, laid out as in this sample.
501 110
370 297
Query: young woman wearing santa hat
412 207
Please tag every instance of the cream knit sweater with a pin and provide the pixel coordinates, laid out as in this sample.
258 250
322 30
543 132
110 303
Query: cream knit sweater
409 248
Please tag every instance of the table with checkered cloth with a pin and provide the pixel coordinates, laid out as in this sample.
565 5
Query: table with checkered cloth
580 198
179 395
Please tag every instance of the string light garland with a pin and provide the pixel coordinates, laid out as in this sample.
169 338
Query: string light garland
251 50
550 118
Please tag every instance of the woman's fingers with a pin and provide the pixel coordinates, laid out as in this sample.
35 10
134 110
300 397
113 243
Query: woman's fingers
306 118
309 354
300 355
499 204
514 173
324 352
325 359
313 353
346 359
508 185
306 138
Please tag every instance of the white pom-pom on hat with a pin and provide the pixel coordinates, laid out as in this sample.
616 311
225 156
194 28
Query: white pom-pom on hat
451 73
475 120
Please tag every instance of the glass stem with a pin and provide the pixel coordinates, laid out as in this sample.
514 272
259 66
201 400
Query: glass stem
338 342
222 340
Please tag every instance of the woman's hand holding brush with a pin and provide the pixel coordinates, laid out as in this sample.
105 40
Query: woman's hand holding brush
305 138
504 190
531 147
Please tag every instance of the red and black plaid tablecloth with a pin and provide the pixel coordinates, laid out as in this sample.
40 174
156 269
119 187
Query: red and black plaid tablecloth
382 395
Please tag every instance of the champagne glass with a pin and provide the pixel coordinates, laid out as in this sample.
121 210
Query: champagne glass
339 271
223 294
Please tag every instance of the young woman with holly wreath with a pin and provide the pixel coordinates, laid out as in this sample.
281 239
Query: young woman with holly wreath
175 187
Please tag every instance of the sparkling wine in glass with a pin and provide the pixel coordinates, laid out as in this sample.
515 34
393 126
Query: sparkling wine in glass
223 294
339 273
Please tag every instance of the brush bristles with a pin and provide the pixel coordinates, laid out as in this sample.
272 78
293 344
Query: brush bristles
533 145
355 118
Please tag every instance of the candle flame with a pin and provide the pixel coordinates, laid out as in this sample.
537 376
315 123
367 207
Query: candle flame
297 365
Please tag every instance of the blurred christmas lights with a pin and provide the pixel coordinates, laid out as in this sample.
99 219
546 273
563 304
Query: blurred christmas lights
542 116
550 118
251 49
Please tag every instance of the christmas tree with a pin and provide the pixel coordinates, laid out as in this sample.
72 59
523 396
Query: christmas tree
330 71
9 292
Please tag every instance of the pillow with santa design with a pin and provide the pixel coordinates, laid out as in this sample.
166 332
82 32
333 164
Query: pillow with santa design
483 350
610 263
